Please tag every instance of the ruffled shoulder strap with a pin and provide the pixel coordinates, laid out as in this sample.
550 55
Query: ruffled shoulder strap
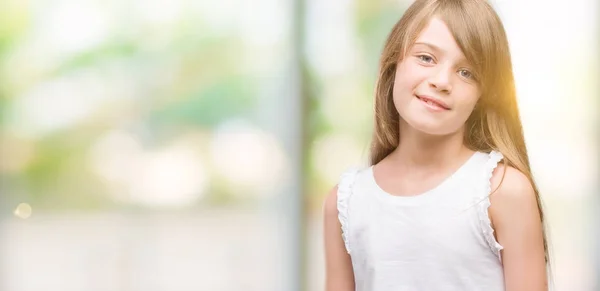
494 158
343 195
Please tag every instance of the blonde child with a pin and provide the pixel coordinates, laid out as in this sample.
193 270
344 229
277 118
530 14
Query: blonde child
449 202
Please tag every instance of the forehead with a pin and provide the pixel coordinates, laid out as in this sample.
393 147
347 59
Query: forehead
437 36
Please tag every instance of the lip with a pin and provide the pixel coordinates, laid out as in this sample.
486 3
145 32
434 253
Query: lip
438 102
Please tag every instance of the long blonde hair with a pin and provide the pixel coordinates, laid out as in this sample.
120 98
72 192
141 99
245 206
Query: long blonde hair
494 124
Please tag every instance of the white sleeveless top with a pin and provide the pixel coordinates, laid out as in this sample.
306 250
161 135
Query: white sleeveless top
439 240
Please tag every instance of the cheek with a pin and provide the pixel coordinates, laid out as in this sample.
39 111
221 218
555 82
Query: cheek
474 95
468 103
406 80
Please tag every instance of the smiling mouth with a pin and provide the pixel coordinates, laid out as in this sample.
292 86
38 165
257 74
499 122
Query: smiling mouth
431 103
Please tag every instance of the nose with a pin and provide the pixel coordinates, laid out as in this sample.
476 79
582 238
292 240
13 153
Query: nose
440 80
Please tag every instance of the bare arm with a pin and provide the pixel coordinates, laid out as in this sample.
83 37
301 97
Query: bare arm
515 216
338 265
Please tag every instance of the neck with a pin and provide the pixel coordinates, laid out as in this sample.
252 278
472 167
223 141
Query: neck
417 149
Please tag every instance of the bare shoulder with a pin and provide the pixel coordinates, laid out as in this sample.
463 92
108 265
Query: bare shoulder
330 204
513 198
518 226
338 264
509 183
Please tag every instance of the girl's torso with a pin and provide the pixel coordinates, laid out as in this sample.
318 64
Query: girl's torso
439 240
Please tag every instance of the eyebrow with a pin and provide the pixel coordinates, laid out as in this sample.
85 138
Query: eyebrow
431 46
438 49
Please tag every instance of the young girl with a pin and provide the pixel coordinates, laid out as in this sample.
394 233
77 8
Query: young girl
448 202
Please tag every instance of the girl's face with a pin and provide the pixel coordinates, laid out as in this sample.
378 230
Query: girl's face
435 89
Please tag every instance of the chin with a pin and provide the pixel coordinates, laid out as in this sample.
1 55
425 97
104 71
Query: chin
430 127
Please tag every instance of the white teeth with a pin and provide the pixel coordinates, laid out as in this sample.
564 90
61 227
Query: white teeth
432 104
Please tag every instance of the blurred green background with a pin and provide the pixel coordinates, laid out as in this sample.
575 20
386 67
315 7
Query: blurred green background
188 145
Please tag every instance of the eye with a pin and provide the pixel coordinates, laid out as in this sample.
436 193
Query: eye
425 58
465 74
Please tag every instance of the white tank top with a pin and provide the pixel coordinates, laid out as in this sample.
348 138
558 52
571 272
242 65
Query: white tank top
439 240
